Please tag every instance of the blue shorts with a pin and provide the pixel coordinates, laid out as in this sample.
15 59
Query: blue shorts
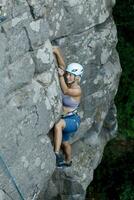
72 125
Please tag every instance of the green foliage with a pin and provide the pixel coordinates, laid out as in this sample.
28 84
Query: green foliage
124 17
127 192
113 179
125 96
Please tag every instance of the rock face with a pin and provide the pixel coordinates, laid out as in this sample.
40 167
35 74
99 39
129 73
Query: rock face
30 96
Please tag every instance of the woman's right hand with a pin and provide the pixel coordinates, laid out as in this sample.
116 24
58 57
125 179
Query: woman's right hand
61 72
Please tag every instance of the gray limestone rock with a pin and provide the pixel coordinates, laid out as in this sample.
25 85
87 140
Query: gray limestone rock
3 45
30 100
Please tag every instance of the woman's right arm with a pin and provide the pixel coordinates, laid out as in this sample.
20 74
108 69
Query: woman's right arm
59 57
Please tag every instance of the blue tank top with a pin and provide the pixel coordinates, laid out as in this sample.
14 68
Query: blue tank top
68 101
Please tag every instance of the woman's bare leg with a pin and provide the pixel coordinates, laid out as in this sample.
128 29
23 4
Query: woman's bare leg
58 135
67 150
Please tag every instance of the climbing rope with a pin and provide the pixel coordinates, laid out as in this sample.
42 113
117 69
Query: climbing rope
5 167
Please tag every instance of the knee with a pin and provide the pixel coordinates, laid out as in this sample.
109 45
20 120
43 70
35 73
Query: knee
65 144
59 125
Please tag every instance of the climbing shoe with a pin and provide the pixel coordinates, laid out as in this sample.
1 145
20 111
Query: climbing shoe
2 18
65 164
59 159
68 164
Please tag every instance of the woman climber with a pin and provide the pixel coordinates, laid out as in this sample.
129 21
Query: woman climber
69 79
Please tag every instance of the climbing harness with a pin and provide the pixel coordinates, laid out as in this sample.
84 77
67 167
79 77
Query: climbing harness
5 167
70 113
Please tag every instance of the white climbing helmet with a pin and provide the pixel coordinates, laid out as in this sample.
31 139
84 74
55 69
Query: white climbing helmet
75 68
